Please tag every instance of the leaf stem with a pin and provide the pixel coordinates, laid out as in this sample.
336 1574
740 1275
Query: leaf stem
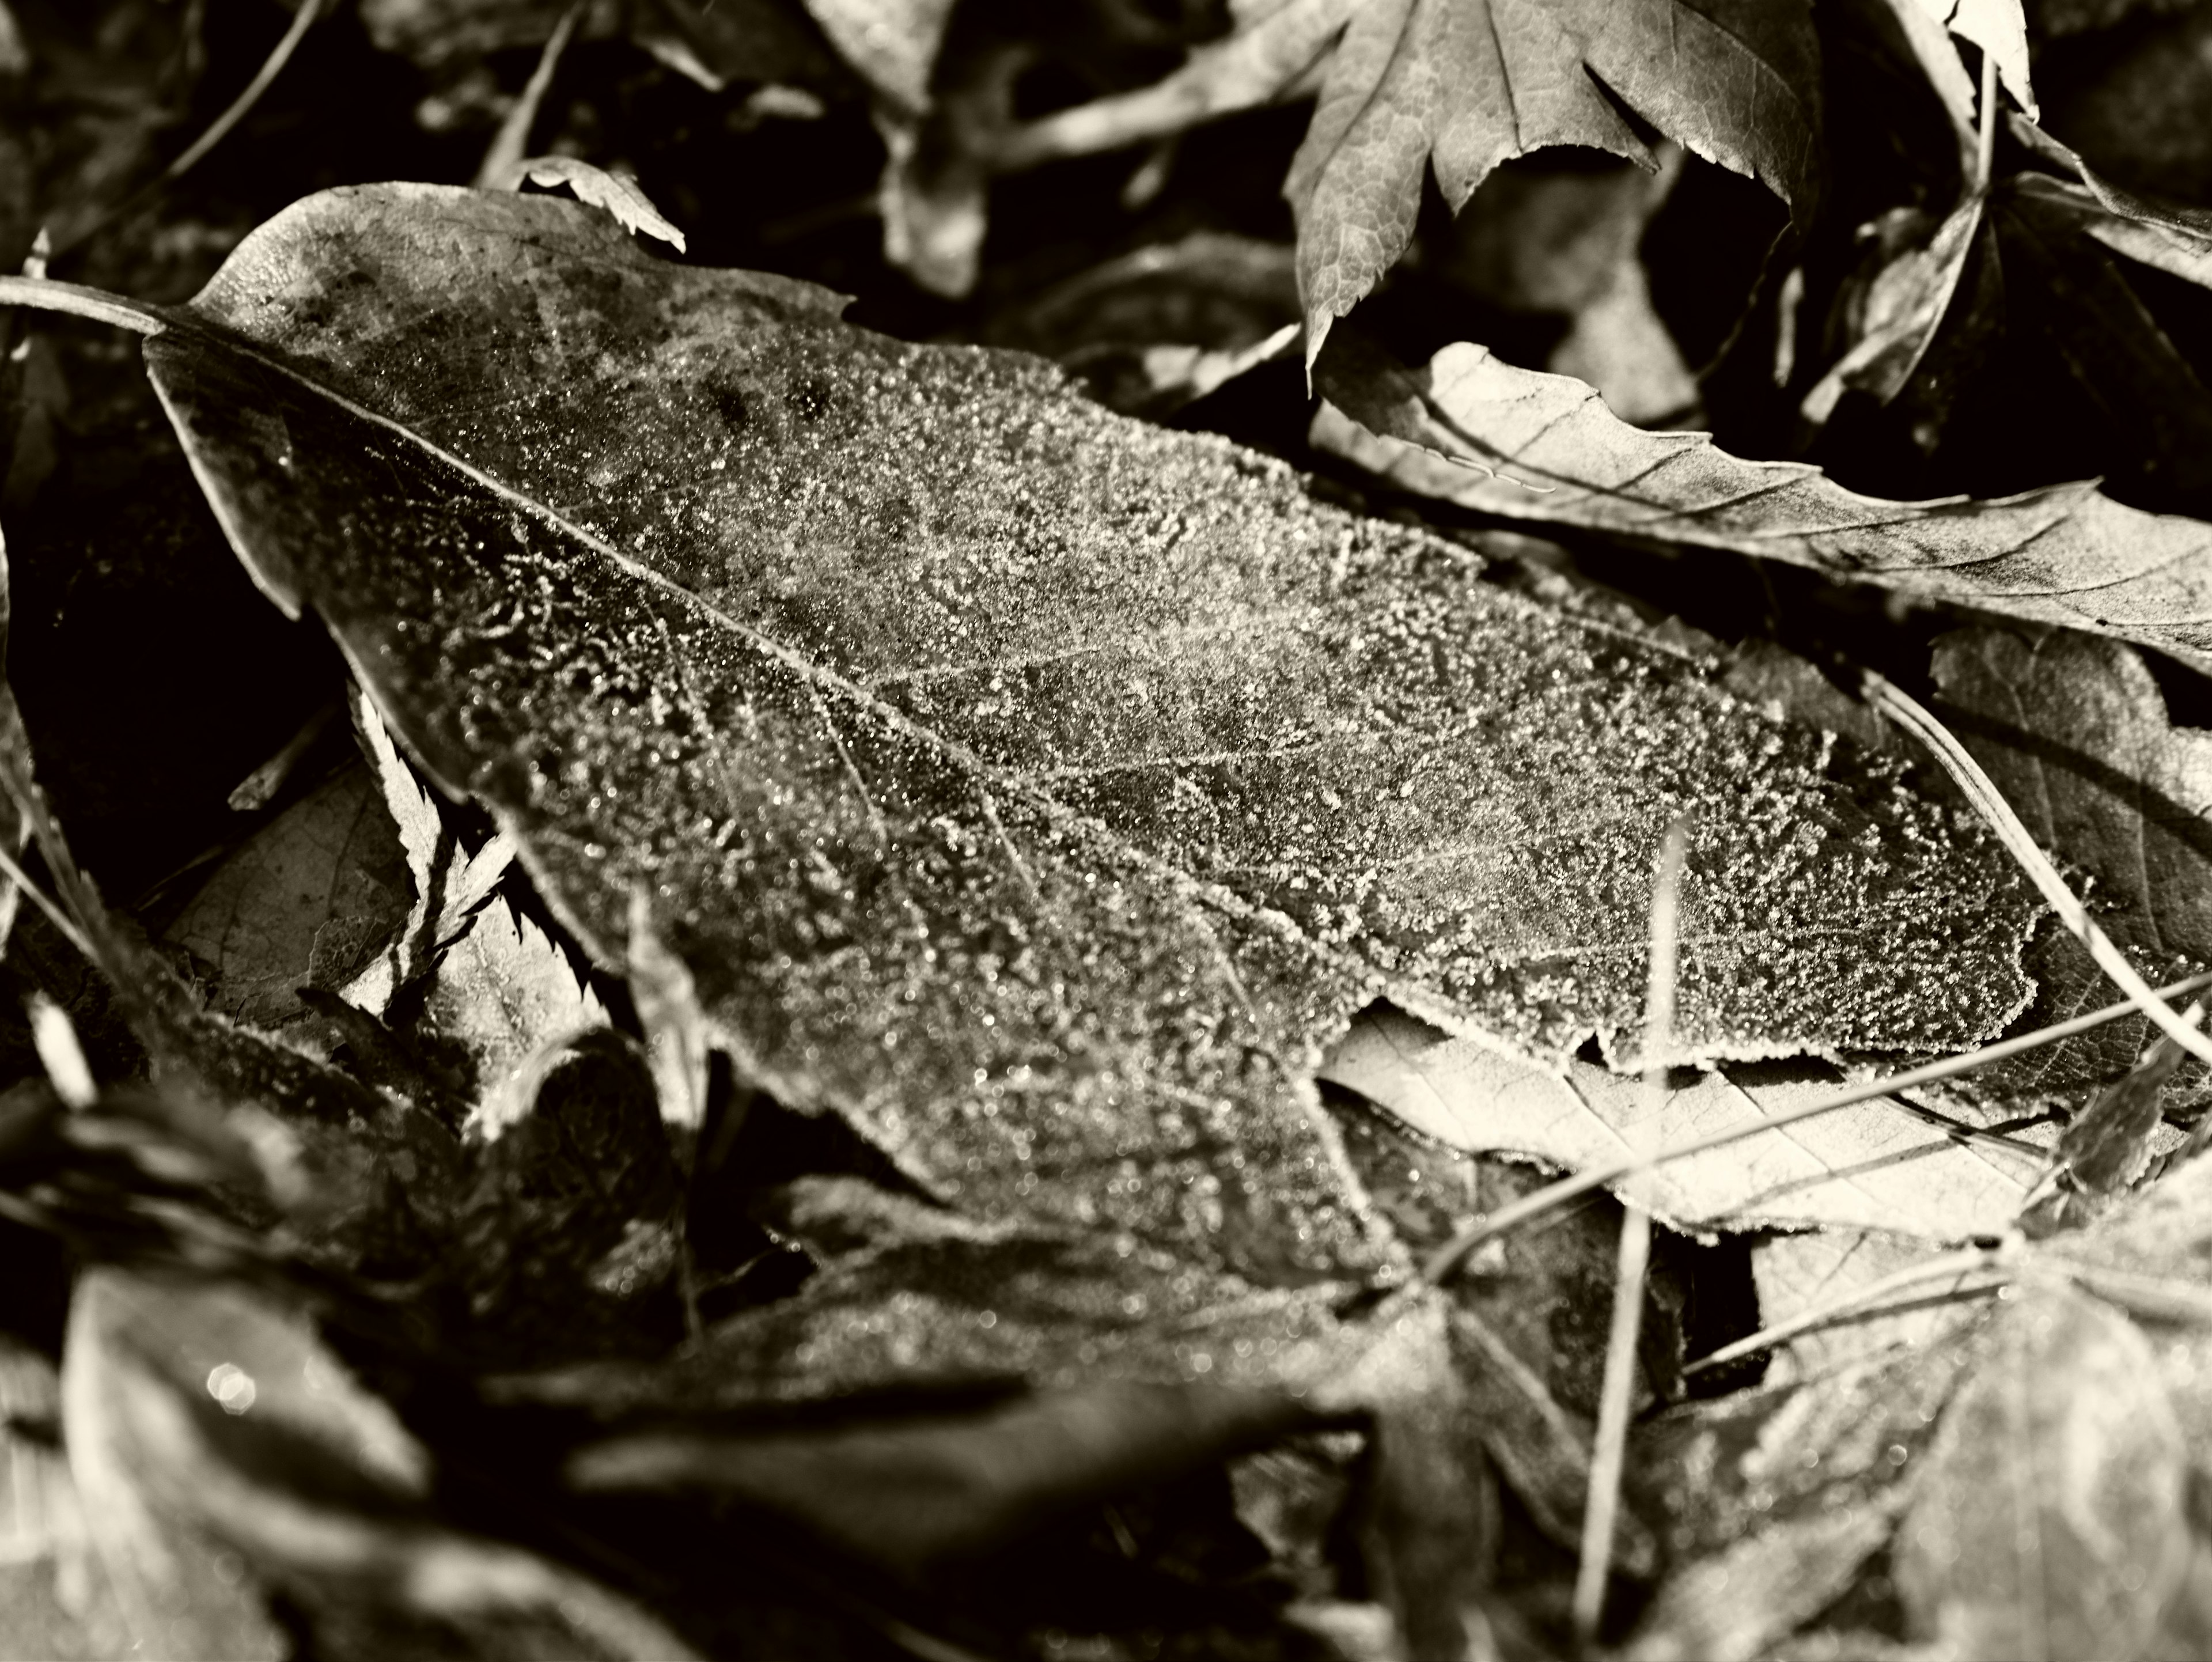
1448 1257
1903 709
47 295
1985 141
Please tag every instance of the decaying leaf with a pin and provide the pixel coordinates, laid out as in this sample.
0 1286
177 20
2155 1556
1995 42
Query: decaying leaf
1775 1498
1460 87
1876 1165
2051 1519
205 1411
1070 796
1816 1270
2074 733
2066 555
312 900
615 192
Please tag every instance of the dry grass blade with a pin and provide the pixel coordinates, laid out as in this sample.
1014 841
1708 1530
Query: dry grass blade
1958 1265
502 168
1448 1257
1904 710
1618 1398
218 130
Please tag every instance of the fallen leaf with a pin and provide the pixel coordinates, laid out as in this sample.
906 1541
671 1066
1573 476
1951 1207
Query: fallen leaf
1070 775
2066 554
1904 307
1875 1165
619 195
195 1409
1806 1272
1459 87
1775 1498
2073 732
1999 28
310 899
2050 1520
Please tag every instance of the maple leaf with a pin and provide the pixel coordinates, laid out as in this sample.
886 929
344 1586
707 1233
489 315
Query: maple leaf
1461 85
1473 429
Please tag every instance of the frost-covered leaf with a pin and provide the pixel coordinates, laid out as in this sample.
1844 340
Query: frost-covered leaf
2065 554
2051 1519
1458 86
986 780
1874 1165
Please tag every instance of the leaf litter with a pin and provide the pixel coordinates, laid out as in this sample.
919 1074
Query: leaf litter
874 736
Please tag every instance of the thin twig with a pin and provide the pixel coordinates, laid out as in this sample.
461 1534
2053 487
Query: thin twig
1990 804
1617 1398
76 937
1447 1258
503 160
1961 1263
218 130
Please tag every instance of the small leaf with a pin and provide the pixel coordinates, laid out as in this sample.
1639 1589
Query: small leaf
1999 28
2049 1521
1874 1165
619 196
310 900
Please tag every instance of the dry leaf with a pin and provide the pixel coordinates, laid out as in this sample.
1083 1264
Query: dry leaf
619 195
1873 1166
2049 1521
2066 554
2074 731
1775 1498
311 899
1459 85
1818 1270
1141 828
